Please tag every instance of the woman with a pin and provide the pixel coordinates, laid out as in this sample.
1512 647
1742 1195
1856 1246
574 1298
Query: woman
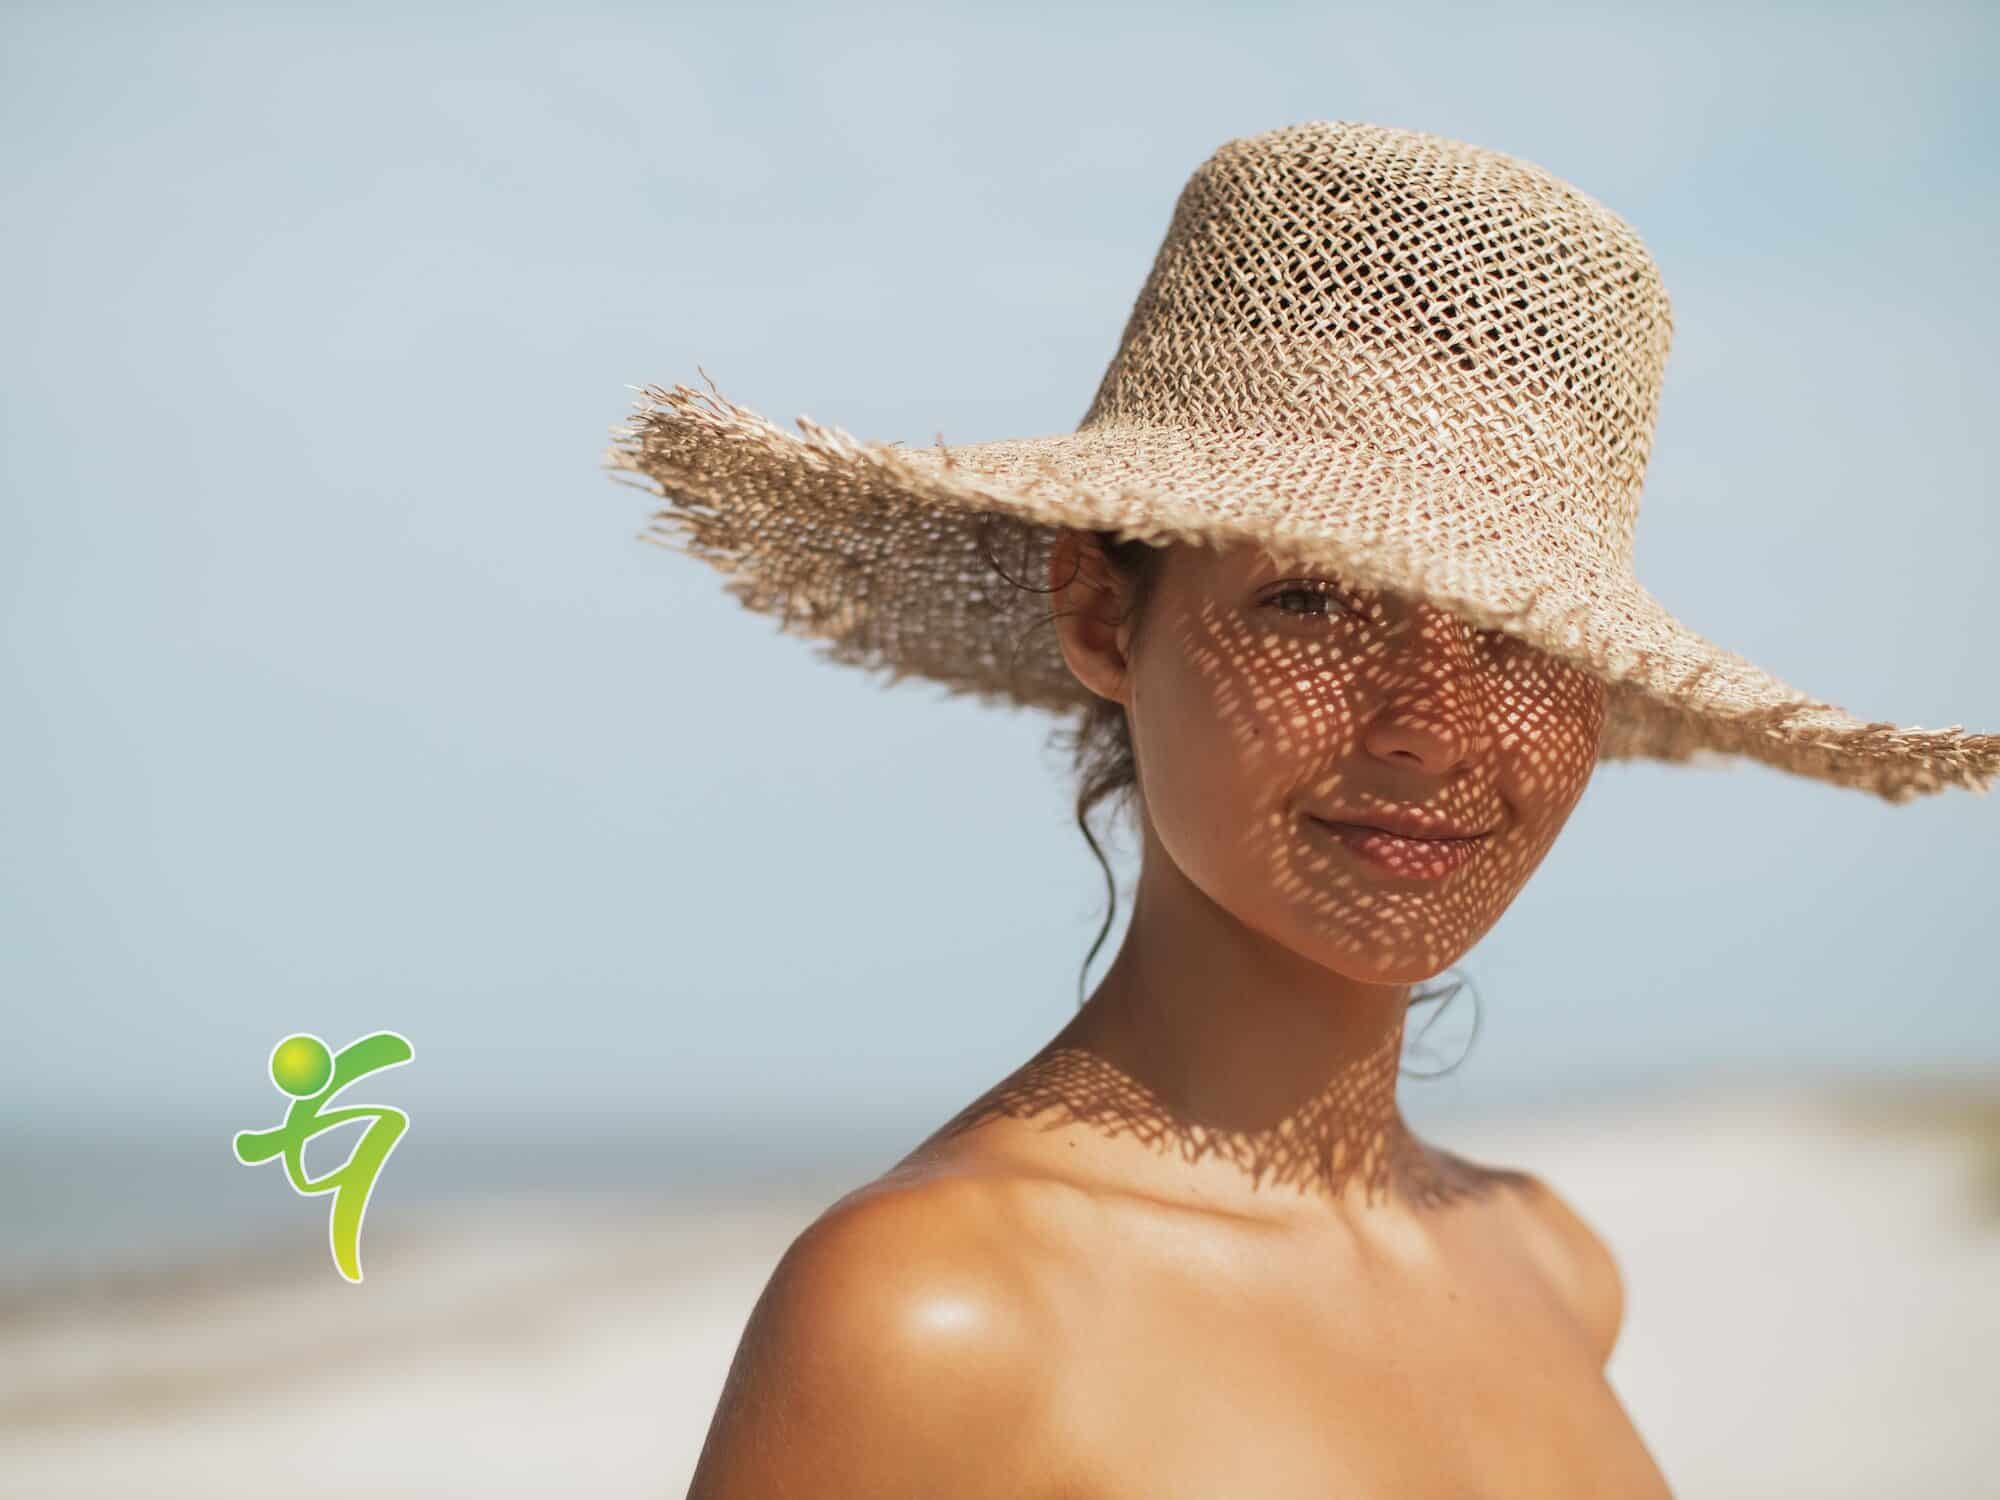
1336 573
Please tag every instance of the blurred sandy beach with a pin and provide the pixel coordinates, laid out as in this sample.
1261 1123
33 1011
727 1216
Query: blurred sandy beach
1813 1308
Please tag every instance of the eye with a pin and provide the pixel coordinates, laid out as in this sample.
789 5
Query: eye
1308 597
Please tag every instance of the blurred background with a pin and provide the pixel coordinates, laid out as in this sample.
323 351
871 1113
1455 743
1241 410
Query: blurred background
340 695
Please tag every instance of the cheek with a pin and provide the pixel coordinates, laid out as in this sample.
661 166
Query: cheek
1287 696
1548 722
1231 725
1205 755
1234 719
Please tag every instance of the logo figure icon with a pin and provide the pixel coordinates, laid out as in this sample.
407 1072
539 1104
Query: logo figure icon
303 1068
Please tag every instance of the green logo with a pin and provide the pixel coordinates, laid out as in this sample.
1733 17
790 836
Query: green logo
302 1067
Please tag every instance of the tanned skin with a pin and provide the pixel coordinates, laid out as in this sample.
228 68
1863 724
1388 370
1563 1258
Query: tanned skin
1191 1248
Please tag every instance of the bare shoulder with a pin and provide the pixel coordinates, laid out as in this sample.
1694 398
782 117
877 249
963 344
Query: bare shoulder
1575 1257
899 1347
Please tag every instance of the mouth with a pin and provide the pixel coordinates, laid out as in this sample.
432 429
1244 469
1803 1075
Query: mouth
1402 854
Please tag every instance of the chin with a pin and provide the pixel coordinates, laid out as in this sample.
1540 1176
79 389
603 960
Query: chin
1371 969
1371 957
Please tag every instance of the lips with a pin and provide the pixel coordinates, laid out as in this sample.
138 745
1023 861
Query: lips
1418 858
1407 828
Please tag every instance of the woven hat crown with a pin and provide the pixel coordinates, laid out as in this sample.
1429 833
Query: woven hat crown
1433 299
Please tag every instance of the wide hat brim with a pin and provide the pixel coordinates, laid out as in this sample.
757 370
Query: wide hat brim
932 563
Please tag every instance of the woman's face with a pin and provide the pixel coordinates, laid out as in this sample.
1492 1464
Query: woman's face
1271 712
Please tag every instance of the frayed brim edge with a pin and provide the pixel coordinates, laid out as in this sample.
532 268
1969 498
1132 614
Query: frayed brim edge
1651 717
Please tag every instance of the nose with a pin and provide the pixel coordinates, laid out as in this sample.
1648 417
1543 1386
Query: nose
1432 710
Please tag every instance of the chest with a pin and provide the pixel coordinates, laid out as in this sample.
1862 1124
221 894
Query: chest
1472 1385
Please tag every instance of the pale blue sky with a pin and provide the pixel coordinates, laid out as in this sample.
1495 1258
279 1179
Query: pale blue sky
340 694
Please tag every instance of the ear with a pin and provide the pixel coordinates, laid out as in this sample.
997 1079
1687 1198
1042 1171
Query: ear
1090 600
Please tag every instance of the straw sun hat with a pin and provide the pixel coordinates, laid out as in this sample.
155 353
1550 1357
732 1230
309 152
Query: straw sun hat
1421 365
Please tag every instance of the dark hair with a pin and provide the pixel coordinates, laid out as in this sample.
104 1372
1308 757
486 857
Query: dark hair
1099 742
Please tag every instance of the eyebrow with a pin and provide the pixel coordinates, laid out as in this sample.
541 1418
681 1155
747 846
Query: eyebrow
1265 571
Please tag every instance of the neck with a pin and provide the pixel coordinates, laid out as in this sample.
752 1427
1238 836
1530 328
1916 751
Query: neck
1235 1071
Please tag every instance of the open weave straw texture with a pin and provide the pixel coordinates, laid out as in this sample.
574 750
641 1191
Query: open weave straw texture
1419 364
